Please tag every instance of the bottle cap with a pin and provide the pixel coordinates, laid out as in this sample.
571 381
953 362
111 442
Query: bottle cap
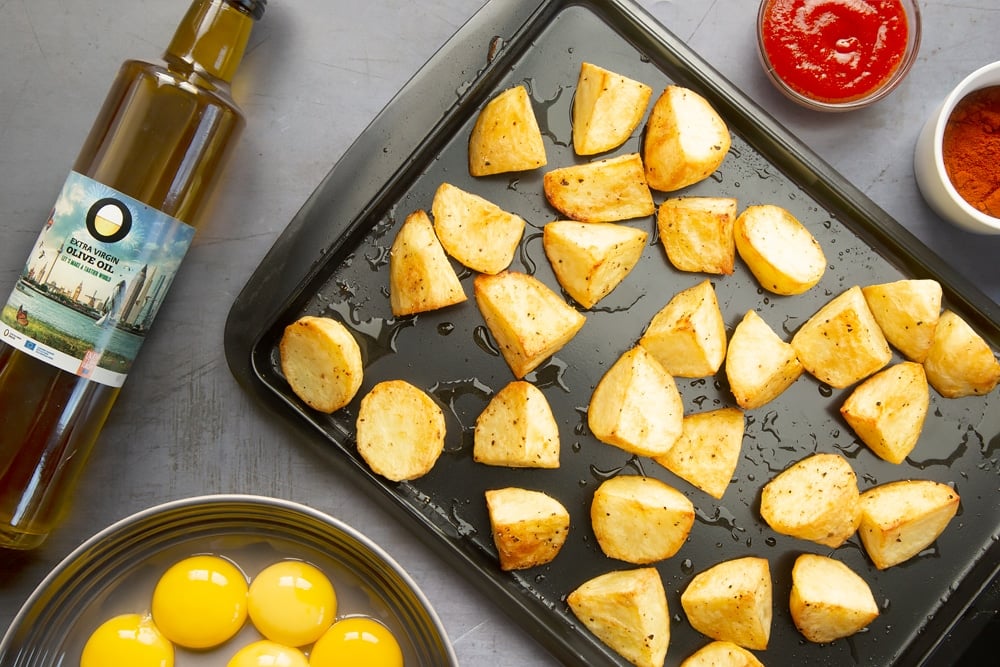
254 8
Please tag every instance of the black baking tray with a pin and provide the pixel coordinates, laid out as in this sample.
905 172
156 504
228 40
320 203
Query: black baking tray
333 258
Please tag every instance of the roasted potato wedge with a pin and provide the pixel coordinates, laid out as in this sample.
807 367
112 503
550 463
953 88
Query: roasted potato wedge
842 343
697 233
686 140
321 361
420 276
815 499
688 335
517 429
529 527
887 410
608 190
636 406
959 361
829 600
780 252
506 136
640 519
908 312
731 601
607 107
901 519
759 365
590 259
721 654
400 430
528 320
627 610
708 449
475 231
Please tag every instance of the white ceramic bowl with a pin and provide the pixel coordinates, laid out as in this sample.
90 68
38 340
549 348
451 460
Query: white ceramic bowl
928 162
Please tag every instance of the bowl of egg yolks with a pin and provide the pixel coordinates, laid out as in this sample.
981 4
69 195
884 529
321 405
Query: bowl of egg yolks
229 581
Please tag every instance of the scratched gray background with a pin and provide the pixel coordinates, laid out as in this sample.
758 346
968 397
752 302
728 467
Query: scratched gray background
317 73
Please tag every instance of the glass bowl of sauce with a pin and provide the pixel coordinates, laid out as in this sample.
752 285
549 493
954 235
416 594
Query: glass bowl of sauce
837 55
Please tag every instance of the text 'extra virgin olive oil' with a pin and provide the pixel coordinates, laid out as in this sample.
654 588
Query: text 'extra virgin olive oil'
106 256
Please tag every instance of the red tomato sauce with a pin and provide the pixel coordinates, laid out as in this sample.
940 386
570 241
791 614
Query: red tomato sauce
834 50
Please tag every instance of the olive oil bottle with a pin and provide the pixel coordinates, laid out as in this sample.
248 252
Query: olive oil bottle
106 256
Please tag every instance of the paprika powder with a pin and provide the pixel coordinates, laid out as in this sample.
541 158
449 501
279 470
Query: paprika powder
971 149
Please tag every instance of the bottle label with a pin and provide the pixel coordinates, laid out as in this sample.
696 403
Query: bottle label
94 280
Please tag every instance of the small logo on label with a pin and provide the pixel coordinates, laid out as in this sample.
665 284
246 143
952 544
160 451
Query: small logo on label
109 220
29 345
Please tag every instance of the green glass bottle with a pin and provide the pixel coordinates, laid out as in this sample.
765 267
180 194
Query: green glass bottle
106 256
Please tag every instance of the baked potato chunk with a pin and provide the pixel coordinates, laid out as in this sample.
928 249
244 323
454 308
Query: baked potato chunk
321 361
639 519
760 366
721 654
815 499
908 312
529 527
607 107
959 361
829 600
627 610
400 430
901 519
731 601
475 231
697 233
590 259
887 410
842 343
686 140
608 190
708 449
528 320
780 252
688 335
517 429
506 136
420 276
636 406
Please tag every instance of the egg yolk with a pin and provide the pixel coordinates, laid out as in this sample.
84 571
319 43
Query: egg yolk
200 602
292 602
356 640
268 654
128 639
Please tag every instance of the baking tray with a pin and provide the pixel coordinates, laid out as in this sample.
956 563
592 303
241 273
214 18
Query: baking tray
333 260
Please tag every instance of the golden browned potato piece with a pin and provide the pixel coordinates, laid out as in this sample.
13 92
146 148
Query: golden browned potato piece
686 140
640 519
960 362
697 233
708 449
529 321
842 343
627 610
400 430
517 429
606 108
887 410
829 600
901 519
474 230
759 365
908 312
721 654
636 406
608 190
731 601
688 335
590 259
529 527
815 499
506 136
420 276
780 252
321 361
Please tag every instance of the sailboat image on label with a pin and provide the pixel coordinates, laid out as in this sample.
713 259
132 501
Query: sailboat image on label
114 306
